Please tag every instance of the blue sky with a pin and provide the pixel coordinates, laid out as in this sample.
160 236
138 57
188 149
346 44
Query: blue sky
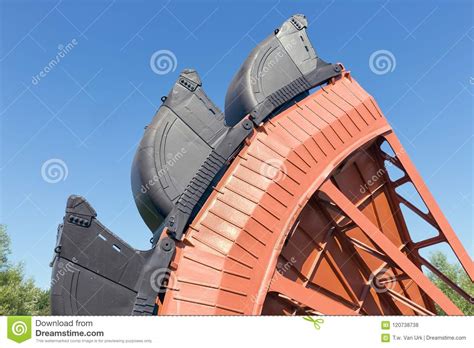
89 110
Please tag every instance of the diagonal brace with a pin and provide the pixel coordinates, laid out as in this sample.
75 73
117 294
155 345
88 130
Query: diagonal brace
389 248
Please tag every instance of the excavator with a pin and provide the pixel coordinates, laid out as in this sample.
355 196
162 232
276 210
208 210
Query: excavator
290 202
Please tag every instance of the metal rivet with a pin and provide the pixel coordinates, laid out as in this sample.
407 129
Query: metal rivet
166 245
247 125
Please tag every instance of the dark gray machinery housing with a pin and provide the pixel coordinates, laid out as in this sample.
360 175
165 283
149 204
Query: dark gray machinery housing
184 131
185 150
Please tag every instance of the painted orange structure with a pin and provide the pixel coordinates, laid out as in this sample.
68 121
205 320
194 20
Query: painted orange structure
294 227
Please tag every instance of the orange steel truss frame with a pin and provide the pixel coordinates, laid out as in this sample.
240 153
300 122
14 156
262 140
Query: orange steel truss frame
294 228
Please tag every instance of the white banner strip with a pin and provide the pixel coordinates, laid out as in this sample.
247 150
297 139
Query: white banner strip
224 332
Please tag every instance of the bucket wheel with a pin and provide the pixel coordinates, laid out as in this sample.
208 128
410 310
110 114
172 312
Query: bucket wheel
307 220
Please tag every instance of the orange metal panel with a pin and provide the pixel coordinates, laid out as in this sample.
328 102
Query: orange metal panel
266 242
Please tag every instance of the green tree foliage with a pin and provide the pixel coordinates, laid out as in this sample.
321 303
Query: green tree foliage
457 274
18 296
